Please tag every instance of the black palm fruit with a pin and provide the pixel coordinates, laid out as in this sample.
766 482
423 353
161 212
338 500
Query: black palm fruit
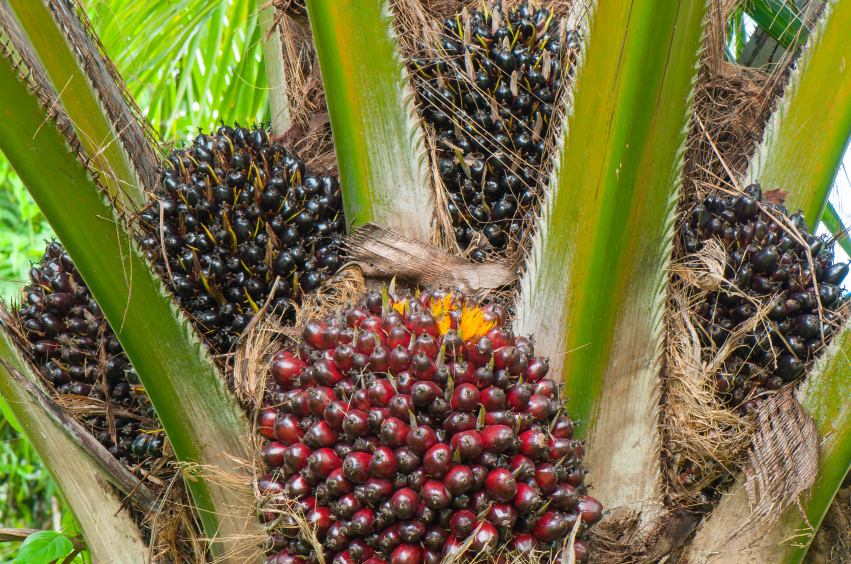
76 352
766 261
243 215
493 116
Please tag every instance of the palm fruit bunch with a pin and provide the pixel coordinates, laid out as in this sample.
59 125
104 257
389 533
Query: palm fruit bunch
766 262
488 89
403 425
76 351
241 218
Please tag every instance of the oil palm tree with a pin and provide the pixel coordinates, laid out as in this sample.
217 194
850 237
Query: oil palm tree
592 286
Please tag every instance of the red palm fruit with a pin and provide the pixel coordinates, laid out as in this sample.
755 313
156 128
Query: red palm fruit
462 372
575 477
494 313
344 358
383 463
343 558
522 543
360 401
329 337
546 388
305 505
423 393
459 480
336 538
363 522
323 462
407 553
427 345
426 323
563 428
356 467
399 360
550 527
417 479
453 549
462 523
360 550
365 444
497 438
431 556
346 336
502 516
321 520
522 467
400 405
286 558
480 473
266 422
398 336
525 422
335 413
372 323
296 457
438 460
501 337
321 435
379 360
343 450
378 490
525 346
318 398
468 444
287 429
501 485
561 449
356 423
546 477
533 444
506 358
480 501
480 352
421 439
505 418
518 397
380 392
295 402
459 422
435 495
412 530
325 373
482 378
296 487
374 560
590 509
486 539
394 432
347 506
564 497
273 454
527 499
285 368
406 460
312 333
456 350
439 409
537 369
337 483
391 319
365 342
405 503
426 514
539 407
422 366
376 418
355 317
268 485
389 539
435 537
405 382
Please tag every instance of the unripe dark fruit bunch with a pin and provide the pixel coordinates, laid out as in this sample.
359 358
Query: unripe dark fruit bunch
405 424
240 213
765 262
68 338
494 116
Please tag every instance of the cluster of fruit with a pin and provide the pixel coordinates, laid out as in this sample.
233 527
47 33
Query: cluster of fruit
768 261
237 218
75 350
405 424
489 93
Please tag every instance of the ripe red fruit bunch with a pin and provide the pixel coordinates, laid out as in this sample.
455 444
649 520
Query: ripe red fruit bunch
405 424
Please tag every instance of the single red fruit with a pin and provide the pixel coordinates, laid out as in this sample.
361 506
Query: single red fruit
493 399
268 485
497 438
347 506
459 422
273 454
435 537
389 539
564 497
355 317
378 490
356 423
407 553
465 398
539 407
363 522
406 503
522 543
563 428
459 480
296 457
406 460
435 495
527 499
498 418
321 520
399 360
507 358
325 373
296 488
500 485
462 523
360 550
401 406
561 449
285 368
590 509
383 463
522 467
318 399
453 549
438 460
398 336
356 467
468 444
380 393
379 360
546 477
537 369
394 432
423 393
336 538
533 444
344 358
335 414
337 483
405 382
485 539
427 345
377 416
546 388
501 337
321 435
287 429
422 366
550 527
431 556
266 422
518 397
412 531
480 352
502 516
324 461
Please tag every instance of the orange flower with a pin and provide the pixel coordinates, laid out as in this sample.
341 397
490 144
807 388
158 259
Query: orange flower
441 308
472 324
400 307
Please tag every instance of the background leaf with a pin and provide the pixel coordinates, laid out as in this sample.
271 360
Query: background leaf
43 547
